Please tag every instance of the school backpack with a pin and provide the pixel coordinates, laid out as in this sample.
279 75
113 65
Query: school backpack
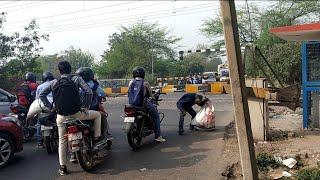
66 96
136 93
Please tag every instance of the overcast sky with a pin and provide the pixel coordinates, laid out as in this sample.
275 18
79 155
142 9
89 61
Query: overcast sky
87 25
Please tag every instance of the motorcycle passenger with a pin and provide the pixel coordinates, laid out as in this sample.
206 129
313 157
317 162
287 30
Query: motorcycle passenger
145 101
26 92
67 104
185 104
98 94
46 78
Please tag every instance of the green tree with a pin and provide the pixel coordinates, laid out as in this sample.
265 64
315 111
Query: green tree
78 58
137 45
256 29
18 53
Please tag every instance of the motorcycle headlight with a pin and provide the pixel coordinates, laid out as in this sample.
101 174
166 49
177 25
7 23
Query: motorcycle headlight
12 119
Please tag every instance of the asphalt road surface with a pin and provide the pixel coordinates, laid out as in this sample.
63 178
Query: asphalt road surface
196 155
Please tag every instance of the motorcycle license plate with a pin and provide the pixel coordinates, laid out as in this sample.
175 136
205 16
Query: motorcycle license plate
128 119
75 136
43 128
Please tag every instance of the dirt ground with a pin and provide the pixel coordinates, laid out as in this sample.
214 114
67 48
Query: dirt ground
304 146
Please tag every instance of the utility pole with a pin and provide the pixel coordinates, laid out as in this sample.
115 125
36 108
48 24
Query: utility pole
237 81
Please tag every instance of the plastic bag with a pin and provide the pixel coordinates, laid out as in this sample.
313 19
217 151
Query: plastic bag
205 118
35 108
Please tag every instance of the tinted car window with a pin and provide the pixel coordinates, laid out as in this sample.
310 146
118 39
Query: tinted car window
4 98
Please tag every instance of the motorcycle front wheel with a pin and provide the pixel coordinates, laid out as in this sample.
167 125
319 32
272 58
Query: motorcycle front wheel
85 159
134 139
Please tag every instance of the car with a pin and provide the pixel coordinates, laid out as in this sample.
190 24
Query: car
208 77
6 100
10 138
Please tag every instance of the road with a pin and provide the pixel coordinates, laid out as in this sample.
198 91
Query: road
196 155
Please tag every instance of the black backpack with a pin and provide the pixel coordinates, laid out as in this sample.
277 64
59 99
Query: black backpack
66 96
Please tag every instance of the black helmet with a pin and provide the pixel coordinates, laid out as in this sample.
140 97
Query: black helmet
138 72
47 76
30 77
86 73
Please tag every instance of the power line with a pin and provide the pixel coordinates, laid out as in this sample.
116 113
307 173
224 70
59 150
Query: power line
108 24
120 19
92 15
19 5
74 12
99 21
24 7
11 2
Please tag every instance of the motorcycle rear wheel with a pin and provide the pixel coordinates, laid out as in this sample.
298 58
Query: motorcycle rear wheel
51 143
86 160
134 139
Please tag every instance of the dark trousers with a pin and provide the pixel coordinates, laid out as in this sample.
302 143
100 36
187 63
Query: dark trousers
183 112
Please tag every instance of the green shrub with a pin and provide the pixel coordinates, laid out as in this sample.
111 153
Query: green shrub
265 160
308 174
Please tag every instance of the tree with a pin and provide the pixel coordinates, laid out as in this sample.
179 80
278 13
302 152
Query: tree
78 58
134 46
18 53
256 28
279 53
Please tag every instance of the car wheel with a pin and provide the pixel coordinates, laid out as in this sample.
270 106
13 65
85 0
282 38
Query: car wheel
6 150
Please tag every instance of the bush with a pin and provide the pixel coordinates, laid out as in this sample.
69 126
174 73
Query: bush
308 174
265 160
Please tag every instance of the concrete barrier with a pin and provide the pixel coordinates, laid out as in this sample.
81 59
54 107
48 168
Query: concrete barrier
191 88
168 89
124 90
217 87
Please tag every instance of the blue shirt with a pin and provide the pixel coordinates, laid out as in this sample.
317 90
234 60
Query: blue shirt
41 87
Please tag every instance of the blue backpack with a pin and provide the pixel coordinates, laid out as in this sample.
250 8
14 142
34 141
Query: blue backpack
136 93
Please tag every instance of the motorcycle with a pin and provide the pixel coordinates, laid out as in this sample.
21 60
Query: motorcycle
49 131
20 112
138 123
81 142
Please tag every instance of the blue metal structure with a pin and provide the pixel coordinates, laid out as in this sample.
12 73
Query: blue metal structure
310 52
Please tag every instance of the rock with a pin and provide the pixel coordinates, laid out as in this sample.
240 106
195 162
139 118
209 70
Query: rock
143 169
291 162
286 174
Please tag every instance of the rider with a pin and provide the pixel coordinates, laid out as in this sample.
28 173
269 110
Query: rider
27 90
138 75
98 94
67 103
46 78
185 104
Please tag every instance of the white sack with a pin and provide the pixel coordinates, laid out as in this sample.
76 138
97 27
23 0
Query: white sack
205 118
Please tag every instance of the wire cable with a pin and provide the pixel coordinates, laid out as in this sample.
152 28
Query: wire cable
92 15
74 12
123 18
110 24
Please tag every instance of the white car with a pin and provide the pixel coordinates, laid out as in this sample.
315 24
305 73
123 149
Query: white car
208 77
6 100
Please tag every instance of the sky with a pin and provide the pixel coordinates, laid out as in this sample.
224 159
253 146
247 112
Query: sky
87 24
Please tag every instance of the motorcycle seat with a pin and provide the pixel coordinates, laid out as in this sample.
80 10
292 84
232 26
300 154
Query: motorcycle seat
138 108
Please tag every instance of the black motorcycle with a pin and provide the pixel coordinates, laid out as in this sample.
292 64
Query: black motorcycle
49 131
20 112
81 142
138 123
